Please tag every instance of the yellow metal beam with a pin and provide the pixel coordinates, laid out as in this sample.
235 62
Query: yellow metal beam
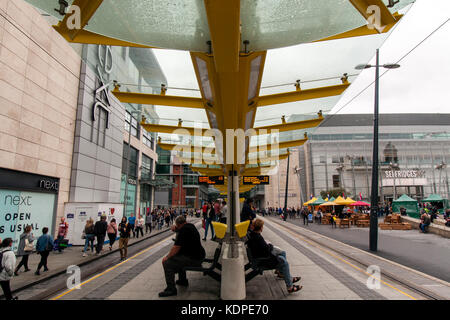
385 16
267 159
87 37
361 31
288 126
300 95
208 172
224 26
173 129
281 145
87 10
186 148
214 161
158 99
212 151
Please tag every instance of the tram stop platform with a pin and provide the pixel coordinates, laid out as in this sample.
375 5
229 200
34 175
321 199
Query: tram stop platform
330 270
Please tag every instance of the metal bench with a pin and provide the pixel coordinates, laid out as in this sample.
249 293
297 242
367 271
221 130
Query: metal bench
214 265
256 264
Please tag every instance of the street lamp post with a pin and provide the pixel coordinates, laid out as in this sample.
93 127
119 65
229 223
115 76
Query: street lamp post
394 166
373 238
297 171
287 184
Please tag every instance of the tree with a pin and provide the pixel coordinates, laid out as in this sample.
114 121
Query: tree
333 193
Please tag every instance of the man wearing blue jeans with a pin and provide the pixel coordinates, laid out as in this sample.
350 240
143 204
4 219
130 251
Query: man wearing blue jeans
276 258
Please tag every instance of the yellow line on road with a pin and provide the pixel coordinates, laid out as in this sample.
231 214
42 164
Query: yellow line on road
112 268
345 261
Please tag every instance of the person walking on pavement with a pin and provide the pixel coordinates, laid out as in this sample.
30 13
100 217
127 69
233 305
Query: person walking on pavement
24 249
209 218
148 222
7 264
140 226
112 233
224 212
44 246
100 232
132 221
124 229
89 236
62 233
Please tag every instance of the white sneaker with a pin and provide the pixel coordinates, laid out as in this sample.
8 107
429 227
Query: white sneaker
84 254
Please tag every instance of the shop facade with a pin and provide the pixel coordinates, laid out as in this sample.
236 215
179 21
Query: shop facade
38 97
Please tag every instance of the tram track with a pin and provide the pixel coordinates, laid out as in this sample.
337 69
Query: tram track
427 294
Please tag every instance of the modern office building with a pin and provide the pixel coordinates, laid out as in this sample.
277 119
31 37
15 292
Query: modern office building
65 139
185 191
413 155
114 159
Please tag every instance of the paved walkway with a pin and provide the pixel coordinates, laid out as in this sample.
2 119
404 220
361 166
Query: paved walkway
58 262
326 273
428 253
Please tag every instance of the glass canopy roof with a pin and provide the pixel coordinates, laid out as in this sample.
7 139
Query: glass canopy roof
182 24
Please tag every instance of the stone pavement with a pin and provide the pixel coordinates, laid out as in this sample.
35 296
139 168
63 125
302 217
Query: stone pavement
58 262
326 274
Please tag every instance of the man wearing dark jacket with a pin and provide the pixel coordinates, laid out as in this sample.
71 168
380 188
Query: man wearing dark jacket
247 211
100 232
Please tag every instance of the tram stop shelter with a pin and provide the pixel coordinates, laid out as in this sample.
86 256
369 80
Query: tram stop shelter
411 206
228 43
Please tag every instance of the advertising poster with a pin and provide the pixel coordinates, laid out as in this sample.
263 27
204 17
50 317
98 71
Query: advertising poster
19 209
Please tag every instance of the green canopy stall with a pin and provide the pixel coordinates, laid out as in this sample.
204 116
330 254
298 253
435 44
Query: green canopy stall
436 199
411 206
317 202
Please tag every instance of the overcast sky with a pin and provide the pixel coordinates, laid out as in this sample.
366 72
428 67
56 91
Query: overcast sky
420 85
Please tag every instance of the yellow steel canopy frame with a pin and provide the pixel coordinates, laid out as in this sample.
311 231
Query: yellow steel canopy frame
229 78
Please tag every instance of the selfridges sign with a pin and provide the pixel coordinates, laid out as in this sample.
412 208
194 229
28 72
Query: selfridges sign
390 174
104 68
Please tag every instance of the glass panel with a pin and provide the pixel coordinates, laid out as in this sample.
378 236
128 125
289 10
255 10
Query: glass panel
254 76
182 24
175 24
269 24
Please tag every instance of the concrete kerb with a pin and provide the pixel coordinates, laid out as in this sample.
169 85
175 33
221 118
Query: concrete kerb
317 235
436 228
83 263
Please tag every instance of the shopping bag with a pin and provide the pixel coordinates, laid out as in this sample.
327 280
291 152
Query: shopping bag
203 223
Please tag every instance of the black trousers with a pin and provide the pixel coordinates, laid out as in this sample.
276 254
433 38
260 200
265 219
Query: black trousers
6 289
112 238
139 229
100 241
23 262
175 265
43 262
147 227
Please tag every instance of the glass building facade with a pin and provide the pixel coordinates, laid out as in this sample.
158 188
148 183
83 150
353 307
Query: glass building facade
413 156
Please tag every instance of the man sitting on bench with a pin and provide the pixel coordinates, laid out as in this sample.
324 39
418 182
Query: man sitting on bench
276 257
187 251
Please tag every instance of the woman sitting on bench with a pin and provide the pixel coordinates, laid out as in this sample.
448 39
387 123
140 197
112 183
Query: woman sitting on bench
276 258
